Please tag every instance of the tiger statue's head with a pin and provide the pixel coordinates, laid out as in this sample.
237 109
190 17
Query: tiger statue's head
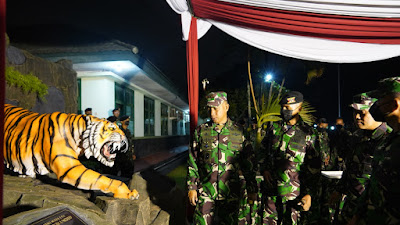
103 139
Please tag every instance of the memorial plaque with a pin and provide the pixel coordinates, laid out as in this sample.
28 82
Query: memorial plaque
61 217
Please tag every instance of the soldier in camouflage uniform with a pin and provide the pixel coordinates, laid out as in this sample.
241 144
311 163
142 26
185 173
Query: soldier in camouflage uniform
328 156
382 196
290 160
319 206
358 170
251 214
218 153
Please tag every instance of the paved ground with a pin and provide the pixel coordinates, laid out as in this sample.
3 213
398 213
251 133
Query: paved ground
146 162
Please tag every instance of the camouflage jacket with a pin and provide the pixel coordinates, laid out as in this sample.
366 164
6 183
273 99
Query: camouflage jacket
383 193
216 158
328 155
358 170
291 157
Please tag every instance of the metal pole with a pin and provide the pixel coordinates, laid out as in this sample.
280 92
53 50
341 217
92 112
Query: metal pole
248 103
339 94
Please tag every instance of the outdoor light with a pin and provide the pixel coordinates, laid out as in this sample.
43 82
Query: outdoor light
315 125
332 127
268 77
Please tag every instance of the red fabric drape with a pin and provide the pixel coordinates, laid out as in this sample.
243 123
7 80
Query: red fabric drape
336 27
192 60
2 92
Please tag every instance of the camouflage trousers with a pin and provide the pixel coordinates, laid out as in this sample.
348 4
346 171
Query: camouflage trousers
279 212
328 213
218 212
250 214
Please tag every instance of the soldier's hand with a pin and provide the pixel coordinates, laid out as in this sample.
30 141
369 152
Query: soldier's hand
327 160
193 197
267 178
306 202
134 157
252 197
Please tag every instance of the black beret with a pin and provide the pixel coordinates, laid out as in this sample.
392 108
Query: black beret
112 119
322 120
292 97
122 118
88 109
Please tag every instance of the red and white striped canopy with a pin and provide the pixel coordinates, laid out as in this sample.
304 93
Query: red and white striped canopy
336 31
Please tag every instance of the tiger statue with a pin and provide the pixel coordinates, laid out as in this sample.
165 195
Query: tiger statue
42 143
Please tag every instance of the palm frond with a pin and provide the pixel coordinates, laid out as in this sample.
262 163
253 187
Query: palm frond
306 113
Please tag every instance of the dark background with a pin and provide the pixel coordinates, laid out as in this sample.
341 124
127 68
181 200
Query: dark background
156 30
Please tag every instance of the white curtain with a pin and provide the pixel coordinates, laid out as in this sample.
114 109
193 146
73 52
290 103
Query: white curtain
306 48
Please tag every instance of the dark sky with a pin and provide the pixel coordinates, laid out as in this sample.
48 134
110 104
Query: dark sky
156 30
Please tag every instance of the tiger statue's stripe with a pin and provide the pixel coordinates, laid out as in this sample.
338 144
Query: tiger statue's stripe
42 143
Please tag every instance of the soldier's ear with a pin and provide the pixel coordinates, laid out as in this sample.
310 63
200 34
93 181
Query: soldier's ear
227 106
395 105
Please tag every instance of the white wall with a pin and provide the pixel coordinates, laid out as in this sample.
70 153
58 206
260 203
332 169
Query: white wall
157 118
139 114
98 93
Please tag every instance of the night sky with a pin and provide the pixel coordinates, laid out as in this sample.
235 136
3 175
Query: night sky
156 30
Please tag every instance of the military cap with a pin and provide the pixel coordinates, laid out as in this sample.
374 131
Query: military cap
88 109
292 97
124 118
363 101
386 86
214 99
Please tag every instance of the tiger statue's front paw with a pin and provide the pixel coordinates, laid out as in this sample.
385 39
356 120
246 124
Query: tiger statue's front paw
134 194
124 192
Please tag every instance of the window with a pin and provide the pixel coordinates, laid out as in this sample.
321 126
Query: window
148 116
164 119
174 120
124 100
180 123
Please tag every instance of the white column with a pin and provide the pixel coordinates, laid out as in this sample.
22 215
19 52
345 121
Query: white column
169 121
98 93
157 118
139 114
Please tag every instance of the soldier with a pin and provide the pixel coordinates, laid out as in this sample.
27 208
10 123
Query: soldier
319 207
217 154
339 140
88 111
290 160
383 193
125 162
358 170
322 142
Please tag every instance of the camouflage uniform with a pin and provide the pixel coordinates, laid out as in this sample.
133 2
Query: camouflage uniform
251 213
319 207
382 197
215 158
292 159
328 156
358 170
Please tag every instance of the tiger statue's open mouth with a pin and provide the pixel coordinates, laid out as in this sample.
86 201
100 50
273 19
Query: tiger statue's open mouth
103 140
110 149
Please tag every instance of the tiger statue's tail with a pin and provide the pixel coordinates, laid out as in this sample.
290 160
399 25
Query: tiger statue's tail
41 143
